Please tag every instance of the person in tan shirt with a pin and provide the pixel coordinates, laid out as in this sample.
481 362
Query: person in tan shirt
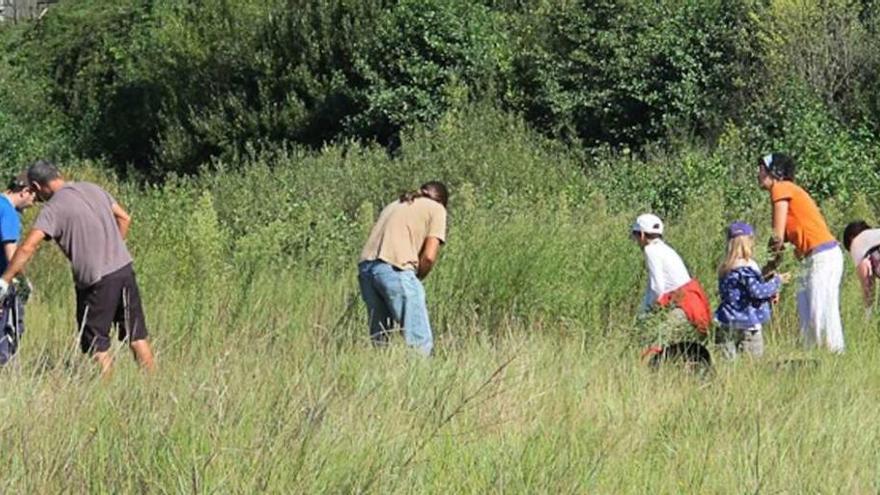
400 252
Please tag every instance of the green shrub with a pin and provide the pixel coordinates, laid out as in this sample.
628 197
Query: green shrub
88 50
287 72
834 162
168 86
30 126
830 48
426 57
625 73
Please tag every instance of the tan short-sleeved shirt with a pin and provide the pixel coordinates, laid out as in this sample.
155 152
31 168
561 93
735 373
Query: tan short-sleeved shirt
401 230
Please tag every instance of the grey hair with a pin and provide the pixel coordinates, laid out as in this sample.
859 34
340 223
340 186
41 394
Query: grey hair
42 171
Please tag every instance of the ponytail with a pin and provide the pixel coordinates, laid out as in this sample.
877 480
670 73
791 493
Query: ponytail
780 166
432 190
409 197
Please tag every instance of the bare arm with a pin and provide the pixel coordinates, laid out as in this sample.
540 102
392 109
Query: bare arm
123 220
777 243
780 213
428 256
866 277
23 254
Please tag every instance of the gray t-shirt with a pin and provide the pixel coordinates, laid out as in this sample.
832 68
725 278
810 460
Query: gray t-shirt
80 219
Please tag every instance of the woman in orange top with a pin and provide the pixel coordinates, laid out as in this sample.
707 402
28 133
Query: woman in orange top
798 221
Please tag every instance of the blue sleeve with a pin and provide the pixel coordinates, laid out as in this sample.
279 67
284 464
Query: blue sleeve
721 287
10 226
758 289
725 287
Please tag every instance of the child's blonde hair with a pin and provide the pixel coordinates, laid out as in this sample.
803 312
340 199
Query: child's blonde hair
739 248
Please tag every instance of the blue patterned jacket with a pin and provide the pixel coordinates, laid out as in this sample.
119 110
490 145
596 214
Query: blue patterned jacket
745 297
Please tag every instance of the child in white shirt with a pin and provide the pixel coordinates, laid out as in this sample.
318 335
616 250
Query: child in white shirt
670 285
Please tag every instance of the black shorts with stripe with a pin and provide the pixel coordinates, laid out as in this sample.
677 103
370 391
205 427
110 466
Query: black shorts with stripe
115 299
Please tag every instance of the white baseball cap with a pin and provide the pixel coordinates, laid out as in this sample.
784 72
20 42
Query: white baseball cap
648 223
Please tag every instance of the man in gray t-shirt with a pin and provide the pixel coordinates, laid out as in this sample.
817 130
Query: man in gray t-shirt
90 228
80 218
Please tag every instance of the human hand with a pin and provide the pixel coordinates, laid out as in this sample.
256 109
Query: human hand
775 245
784 277
775 299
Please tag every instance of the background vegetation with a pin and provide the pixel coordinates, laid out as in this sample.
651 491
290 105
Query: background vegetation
255 142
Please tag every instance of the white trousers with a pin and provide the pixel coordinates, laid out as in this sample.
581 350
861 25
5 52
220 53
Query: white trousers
819 300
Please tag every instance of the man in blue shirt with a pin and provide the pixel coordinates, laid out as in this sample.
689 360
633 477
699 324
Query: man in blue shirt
17 197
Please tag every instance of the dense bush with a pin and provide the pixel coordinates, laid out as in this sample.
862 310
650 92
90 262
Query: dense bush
167 86
285 72
625 73
427 57
830 48
86 51
30 125
834 161
658 101
308 206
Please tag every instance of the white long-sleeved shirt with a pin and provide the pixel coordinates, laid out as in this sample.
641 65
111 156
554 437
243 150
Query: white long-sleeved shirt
666 272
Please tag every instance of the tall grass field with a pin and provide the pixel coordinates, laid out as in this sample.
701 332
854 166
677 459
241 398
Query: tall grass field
267 381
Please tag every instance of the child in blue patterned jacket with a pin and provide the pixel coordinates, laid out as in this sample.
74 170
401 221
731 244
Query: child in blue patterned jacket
745 296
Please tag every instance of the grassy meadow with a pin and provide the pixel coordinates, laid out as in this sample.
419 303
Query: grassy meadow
267 382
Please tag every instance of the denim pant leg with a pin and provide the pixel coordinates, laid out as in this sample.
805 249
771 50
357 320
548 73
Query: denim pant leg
379 313
416 326
405 298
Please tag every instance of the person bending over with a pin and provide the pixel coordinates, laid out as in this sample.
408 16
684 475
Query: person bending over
671 291
863 244
797 220
17 197
90 228
400 252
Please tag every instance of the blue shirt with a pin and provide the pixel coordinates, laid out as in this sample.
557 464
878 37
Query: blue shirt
745 297
10 228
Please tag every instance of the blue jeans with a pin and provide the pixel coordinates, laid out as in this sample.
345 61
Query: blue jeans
395 298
